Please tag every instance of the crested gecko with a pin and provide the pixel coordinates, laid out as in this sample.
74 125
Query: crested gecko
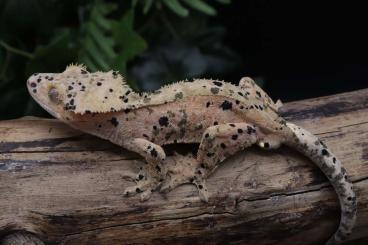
223 118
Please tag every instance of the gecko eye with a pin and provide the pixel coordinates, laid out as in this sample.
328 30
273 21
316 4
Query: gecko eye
54 95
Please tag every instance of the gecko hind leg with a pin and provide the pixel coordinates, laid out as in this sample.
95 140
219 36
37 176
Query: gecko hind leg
218 142
181 170
221 141
152 174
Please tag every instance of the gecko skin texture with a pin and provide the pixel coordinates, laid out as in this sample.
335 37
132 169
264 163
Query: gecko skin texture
222 117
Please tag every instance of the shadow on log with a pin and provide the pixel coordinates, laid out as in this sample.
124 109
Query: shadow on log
66 187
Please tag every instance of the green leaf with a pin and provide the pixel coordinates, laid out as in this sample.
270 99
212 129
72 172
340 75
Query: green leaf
96 44
224 1
176 7
103 43
147 6
130 42
201 6
94 52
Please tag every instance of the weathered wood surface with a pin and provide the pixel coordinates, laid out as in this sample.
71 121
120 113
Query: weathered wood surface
66 187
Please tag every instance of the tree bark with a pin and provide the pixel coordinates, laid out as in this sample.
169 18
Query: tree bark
66 187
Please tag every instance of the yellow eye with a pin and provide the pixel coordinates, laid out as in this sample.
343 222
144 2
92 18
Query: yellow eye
54 95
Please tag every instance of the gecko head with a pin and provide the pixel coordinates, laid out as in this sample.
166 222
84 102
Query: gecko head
53 92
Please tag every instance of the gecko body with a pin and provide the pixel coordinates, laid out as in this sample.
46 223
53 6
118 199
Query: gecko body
222 117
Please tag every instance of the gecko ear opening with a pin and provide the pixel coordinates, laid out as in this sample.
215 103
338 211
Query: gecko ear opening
54 95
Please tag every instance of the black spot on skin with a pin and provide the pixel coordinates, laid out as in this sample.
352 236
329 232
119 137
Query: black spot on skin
237 102
234 137
199 172
223 146
106 97
39 80
114 74
154 153
126 100
34 90
126 111
138 190
251 107
200 186
71 102
83 71
111 90
209 154
215 90
325 152
240 93
250 130
70 88
266 145
87 111
179 95
51 78
114 121
226 105
208 104
145 135
127 92
258 94
163 121
240 131
33 85
158 168
99 83
241 107
154 127
256 106
334 160
215 123
206 135
140 177
69 95
217 83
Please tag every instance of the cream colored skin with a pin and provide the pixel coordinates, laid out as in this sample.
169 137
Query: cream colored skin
222 117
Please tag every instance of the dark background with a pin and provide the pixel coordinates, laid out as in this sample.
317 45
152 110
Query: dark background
294 49
303 49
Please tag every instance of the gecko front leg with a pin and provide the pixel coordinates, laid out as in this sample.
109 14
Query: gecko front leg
153 173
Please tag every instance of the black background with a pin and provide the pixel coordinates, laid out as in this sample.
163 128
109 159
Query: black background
302 49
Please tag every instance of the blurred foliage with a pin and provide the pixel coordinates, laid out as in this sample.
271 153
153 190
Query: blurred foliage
151 42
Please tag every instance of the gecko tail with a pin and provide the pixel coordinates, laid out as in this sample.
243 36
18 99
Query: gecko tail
316 150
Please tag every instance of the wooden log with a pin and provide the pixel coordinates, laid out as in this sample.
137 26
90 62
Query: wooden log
66 187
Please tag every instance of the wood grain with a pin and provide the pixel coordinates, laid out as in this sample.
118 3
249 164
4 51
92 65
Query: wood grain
66 187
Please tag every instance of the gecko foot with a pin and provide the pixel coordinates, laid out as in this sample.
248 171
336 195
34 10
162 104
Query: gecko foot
144 188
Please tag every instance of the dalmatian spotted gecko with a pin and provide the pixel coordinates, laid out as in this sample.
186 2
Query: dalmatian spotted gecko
223 118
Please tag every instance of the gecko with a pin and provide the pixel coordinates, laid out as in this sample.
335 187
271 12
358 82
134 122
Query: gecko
222 117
